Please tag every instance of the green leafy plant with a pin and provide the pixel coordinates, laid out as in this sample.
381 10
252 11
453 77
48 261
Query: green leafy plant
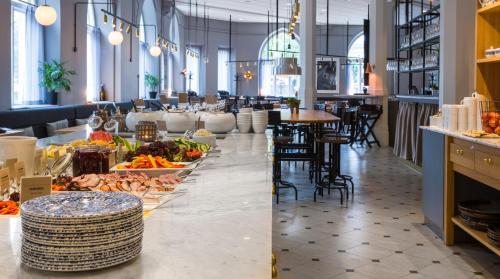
293 102
152 81
55 76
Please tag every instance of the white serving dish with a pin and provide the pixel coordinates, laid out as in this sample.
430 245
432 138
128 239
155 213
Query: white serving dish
218 123
211 140
133 118
152 172
180 122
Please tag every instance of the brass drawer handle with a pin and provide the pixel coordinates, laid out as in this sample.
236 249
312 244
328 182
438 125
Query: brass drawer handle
488 161
460 152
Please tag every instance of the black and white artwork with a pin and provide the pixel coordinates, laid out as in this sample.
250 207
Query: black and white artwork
327 75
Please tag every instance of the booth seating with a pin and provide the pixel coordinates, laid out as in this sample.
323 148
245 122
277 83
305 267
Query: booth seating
38 118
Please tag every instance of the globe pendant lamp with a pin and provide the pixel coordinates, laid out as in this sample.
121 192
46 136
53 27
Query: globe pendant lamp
45 15
155 50
115 37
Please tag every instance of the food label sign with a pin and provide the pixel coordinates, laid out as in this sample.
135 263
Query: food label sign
34 187
4 180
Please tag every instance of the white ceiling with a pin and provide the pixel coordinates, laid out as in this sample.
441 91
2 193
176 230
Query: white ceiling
341 11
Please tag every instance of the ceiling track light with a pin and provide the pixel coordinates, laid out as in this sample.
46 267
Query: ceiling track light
129 29
114 22
122 24
105 18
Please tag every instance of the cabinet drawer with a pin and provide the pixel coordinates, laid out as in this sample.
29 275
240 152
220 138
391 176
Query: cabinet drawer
487 164
462 155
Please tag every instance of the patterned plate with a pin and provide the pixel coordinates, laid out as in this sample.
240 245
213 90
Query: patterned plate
80 205
72 267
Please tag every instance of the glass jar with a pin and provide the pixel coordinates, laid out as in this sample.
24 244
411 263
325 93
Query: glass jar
89 160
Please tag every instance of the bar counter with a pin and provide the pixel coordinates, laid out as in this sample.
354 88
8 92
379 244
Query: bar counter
219 227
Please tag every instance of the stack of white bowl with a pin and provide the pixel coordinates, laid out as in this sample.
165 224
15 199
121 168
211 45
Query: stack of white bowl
244 121
259 121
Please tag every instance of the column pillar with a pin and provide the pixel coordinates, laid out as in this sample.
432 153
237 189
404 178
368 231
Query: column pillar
457 29
380 37
307 29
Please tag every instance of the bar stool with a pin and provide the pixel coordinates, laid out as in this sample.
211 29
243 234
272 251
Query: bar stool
330 181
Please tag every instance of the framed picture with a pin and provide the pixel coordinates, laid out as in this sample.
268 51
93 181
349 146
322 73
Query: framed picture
327 75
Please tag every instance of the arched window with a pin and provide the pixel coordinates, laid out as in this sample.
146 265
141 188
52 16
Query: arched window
93 55
355 70
279 44
26 55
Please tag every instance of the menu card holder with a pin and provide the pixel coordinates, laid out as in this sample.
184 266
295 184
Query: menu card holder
34 187
20 171
4 180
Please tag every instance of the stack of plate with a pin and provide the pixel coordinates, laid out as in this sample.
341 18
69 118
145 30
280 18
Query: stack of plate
81 231
479 214
244 120
259 121
494 234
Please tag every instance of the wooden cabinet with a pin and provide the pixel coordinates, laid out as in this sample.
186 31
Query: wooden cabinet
462 155
487 164
479 162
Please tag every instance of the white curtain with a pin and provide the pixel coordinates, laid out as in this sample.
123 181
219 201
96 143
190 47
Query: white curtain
93 59
33 93
224 76
143 53
170 72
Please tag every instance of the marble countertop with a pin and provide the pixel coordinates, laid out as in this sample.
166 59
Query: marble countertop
221 227
491 142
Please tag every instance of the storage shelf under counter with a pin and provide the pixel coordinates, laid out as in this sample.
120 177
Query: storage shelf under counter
457 168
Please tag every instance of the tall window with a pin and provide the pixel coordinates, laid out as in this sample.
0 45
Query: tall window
26 55
223 70
355 71
93 55
193 70
143 52
272 48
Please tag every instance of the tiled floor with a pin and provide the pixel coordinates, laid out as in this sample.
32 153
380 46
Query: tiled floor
379 235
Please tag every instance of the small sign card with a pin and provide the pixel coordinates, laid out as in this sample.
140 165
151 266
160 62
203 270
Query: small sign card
34 187
20 171
4 180
11 166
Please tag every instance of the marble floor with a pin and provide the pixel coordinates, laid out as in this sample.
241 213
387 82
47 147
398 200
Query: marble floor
379 235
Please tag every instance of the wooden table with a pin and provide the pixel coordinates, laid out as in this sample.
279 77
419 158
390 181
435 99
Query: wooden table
308 116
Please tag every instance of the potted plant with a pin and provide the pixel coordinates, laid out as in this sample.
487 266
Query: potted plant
293 104
54 78
152 83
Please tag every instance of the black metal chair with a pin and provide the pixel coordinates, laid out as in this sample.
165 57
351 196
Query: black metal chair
330 181
368 117
285 150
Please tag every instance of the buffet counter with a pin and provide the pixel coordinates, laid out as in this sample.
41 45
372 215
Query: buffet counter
218 225
457 168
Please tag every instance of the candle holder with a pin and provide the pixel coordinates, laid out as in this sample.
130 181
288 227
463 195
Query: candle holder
146 131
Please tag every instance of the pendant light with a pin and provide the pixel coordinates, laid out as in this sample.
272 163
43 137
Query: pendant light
115 37
155 50
285 66
45 14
